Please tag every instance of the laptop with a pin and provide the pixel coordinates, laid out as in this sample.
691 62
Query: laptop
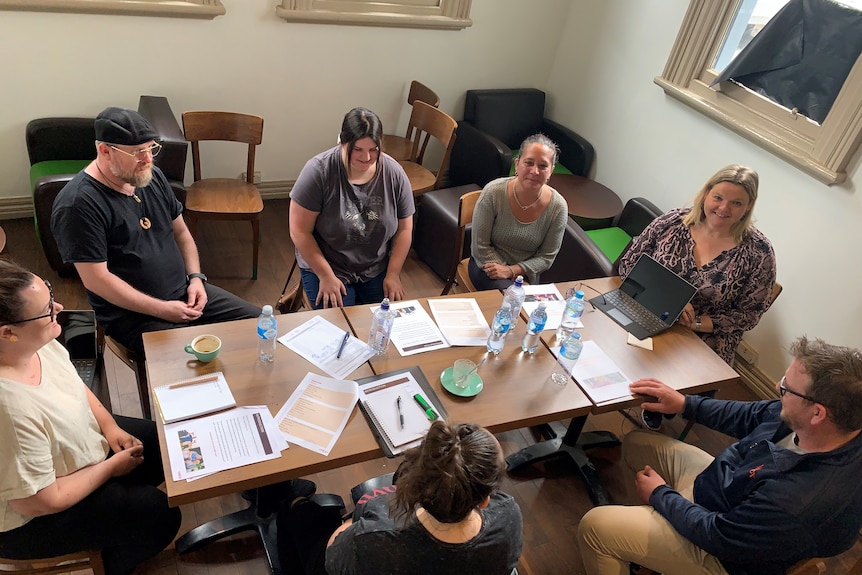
79 338
649 301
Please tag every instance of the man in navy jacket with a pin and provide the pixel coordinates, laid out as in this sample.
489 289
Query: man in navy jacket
790 489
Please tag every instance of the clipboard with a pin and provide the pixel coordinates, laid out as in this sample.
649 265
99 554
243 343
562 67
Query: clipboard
389 449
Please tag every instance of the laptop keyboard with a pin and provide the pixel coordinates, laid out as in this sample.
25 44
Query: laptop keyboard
86 369
635 311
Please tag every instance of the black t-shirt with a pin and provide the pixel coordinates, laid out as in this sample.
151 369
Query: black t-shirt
93 223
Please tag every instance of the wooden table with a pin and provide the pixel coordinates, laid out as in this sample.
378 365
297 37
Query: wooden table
516 390
591 204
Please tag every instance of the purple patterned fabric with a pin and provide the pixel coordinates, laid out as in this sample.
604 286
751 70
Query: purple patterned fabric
734 289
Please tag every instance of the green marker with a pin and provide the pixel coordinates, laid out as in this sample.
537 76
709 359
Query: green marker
429 411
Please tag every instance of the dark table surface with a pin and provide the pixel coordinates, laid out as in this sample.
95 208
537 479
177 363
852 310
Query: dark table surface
590 203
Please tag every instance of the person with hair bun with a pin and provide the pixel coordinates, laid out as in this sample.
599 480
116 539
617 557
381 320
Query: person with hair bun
445 517
351 218
518 222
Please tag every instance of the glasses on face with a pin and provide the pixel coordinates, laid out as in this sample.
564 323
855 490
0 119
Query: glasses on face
140 155
50 313
783 389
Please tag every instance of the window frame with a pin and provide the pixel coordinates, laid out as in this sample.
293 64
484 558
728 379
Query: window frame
439 14
822 151
207 9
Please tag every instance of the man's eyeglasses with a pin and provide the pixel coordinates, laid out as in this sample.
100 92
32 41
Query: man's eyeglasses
140 155
782 389
50 307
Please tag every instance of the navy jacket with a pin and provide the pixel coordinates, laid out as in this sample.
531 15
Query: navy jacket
760 508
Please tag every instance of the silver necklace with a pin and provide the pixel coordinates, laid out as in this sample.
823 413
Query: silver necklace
518 201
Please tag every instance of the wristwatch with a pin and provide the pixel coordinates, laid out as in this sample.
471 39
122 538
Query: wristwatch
697 323
202 277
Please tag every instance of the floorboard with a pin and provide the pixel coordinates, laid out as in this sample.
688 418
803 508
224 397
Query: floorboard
551 496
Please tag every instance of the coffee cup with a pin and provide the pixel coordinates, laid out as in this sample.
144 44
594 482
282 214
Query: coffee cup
204 347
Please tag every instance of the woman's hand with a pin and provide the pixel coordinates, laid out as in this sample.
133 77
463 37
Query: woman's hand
119 439
330 292
126 460
392 287
686 318
498 271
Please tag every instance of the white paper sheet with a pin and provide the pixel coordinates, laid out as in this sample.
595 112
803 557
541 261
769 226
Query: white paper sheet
241 436
413 330
317 411
318 341
461 321
599 376
554 300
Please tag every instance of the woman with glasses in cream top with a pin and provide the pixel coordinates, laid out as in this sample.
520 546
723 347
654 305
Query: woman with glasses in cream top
74 477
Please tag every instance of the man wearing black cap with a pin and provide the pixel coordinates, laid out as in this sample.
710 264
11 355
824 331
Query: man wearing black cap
121 225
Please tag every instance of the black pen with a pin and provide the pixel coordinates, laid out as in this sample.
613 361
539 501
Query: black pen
343 343
400 413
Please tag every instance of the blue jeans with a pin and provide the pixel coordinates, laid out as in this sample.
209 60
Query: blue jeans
369 292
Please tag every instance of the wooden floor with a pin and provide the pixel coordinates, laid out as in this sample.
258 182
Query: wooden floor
551 496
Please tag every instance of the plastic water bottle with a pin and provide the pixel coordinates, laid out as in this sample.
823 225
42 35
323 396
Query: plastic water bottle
499 327
514 294
381 328
534 329
267 332
574 310
570 351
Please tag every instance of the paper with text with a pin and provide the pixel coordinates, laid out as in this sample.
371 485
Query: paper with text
599 376
413 330
318 341
460 320
554 300
317 411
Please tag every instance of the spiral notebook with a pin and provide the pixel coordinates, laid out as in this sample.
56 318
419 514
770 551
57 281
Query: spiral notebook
378 400
193 397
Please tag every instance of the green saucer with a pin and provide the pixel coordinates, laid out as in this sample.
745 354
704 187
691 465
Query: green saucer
474 384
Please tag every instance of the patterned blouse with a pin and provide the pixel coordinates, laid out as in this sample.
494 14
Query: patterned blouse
734 289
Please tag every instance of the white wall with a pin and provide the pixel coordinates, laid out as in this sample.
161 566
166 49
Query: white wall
301 78
650 145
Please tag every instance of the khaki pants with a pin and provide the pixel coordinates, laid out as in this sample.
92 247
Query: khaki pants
612 536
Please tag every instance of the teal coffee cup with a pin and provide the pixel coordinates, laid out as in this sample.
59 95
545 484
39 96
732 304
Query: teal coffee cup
204 347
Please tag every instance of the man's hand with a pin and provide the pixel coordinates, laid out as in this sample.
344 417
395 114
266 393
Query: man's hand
197 295
392 287
666 399
646 481
178 312
329 292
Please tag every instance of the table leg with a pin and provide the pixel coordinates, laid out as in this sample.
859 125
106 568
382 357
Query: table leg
572 444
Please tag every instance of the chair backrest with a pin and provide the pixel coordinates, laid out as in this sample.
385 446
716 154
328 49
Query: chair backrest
226 127
776 291
421 92
425 122
510 115
60 139
579 258
60 564
466 206
637 214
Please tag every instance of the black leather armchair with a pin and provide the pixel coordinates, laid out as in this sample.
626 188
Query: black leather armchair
579 258
60 147
495 123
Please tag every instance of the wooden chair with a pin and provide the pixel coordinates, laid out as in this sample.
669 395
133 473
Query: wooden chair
224 198
138 364
91 559
776 291
397 146
466 205
426 122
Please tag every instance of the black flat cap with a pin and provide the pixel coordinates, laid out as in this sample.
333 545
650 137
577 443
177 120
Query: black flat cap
124 127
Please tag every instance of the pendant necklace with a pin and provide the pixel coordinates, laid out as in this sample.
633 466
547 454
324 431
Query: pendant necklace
518 201
144 221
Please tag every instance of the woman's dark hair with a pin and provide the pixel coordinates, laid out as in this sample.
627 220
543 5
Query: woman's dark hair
360 123
13 281
454 469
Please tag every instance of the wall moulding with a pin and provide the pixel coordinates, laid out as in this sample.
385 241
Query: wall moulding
206 9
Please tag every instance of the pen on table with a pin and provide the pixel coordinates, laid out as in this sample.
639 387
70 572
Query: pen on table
194 381
400 413
429 411
343 343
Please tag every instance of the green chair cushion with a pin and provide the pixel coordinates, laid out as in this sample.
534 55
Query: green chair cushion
55 167
558 168
612 241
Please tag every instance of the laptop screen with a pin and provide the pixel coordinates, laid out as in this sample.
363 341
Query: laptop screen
658 289
79 333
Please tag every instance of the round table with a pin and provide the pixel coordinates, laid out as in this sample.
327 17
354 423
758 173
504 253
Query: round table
591 204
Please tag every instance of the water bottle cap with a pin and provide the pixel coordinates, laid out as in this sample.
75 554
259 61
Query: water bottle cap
575 335
384 305
579 294
519 281
542 305
267 310
506 304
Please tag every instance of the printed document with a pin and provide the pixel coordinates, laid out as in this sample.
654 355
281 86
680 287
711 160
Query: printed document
413 330
597 375
315 414
318 341
461 321
554 300
241 436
